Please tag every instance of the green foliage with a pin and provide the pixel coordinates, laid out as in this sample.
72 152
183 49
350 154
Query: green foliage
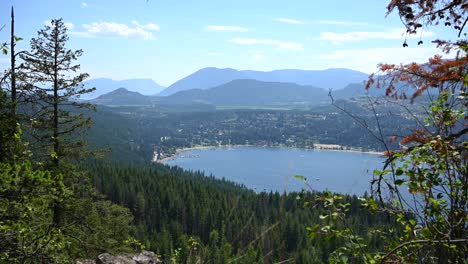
133 243
188 217
4 48
30 195
105 227
8 141
26 231
423 187
337 225
417 212
430 185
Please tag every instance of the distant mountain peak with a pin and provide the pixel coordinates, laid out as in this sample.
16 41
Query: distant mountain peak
216 68
250 92
144 86
121 90
122 96
336 78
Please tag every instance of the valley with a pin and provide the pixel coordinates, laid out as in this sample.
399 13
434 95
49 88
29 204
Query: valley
234 132
251 139
153 131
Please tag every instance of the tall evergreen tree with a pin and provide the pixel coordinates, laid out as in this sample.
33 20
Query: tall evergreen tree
56 82
8 102
13 62
46 215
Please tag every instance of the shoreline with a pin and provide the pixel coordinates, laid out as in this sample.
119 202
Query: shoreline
335 147
326 147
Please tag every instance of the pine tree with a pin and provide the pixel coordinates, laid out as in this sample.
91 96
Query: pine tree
9 129
13 62
49 73
50 214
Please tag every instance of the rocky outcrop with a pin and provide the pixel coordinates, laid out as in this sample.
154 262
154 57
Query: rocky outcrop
145 257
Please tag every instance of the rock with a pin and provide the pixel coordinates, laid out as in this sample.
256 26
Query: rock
145 257
85 261
107 258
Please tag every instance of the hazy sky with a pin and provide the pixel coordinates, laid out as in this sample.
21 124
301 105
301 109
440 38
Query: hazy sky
167 40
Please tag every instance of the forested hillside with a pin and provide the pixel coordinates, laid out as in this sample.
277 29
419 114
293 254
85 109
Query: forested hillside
138 132
191 217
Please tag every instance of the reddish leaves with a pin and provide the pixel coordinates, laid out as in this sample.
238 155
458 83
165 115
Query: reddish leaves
392 139
419 136
439 73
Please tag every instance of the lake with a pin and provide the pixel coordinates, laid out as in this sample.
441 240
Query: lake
266 169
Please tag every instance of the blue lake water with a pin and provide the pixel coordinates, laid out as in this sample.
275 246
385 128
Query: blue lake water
261 168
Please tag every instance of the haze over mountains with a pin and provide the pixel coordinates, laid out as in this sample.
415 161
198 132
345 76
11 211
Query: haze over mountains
210 77
226 88
105 85
251 93
237 94
122 96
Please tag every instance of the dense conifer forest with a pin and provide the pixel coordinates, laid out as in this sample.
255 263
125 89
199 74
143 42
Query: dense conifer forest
217 221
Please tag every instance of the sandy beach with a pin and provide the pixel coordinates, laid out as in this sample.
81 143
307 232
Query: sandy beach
336 147
327 147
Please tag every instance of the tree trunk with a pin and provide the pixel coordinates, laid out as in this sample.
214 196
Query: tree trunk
58 210
12 56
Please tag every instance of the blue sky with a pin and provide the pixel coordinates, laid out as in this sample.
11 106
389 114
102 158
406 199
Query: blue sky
167 40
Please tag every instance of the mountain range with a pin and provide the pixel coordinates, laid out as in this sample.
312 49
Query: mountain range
237 93
214 87
105 85
211 77
251 93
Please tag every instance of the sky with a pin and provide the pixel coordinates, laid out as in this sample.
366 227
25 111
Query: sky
168 40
